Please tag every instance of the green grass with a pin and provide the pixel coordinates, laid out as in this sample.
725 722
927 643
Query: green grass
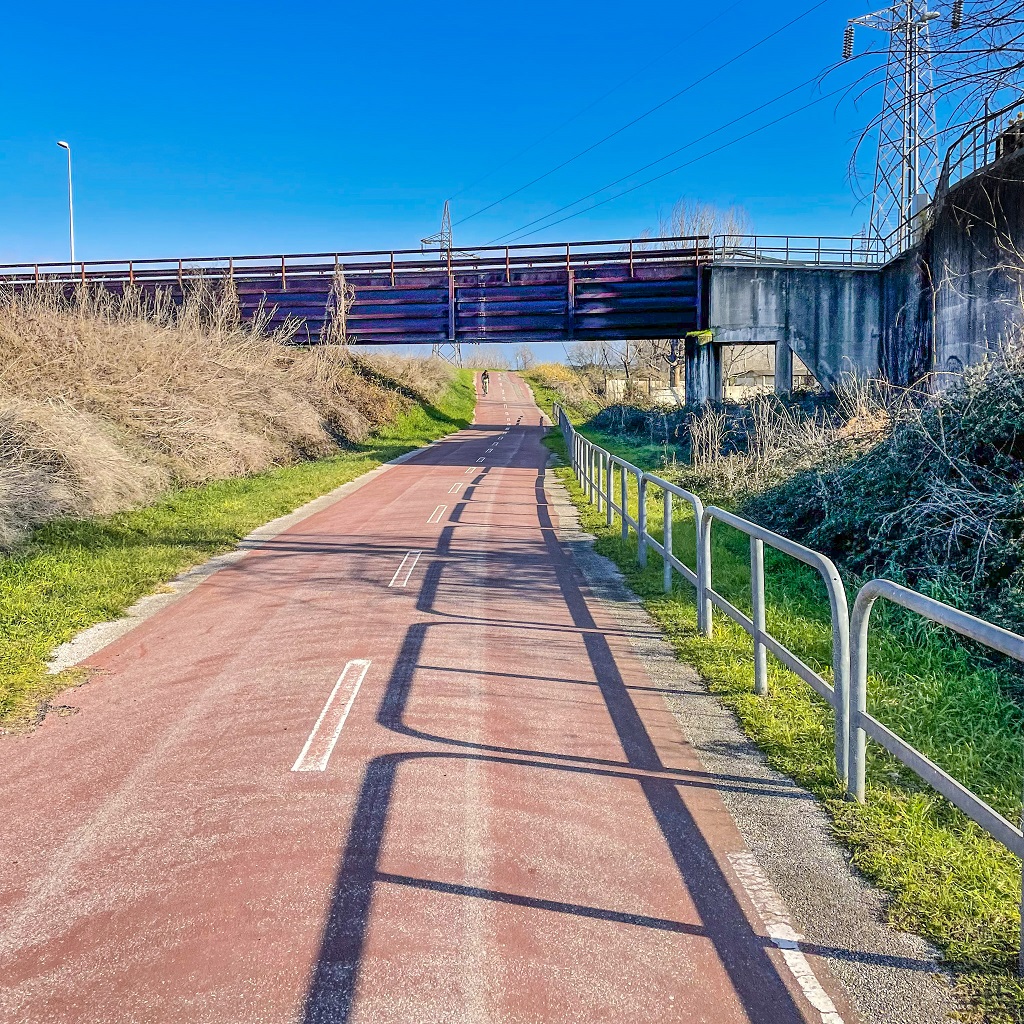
71 574
948 880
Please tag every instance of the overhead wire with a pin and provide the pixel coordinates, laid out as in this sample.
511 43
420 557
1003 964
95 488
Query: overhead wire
600 99
660 159
647 113
679 167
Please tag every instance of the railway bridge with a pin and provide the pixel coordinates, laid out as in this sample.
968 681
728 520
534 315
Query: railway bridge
906 310
585 291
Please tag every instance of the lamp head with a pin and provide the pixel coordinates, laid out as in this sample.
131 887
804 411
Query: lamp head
64 145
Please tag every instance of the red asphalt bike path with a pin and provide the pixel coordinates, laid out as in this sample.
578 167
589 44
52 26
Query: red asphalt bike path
510 826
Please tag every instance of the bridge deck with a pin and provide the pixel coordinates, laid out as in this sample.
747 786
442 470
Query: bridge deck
651 288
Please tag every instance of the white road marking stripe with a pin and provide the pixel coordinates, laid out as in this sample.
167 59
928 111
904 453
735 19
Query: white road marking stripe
454 488
774 914
317 751
470 469
435 516
480 459
404 573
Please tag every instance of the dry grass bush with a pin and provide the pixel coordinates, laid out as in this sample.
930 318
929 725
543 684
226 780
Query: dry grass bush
937 500
569 385
736 455
108 399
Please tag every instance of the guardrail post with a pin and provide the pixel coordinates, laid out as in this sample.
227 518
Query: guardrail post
704 576
667 541
624 497
609 476
641 521
757 600
591 470
858 695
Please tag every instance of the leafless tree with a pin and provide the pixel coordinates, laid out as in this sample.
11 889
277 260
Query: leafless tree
694 217
524 357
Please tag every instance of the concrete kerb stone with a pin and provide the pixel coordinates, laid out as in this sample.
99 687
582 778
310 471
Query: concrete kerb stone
889 977
95 638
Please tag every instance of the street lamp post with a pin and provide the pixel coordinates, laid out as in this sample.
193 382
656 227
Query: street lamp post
71 205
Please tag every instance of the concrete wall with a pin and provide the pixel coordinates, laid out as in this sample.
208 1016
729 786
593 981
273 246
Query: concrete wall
939 307
829 317
958 293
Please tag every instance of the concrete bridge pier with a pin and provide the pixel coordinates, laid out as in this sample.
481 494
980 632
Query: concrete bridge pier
783 368
703 371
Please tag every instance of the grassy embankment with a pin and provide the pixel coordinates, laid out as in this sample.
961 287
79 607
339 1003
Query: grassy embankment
138 439
948 881
71 574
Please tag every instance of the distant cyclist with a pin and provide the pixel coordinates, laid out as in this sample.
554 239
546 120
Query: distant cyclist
485 379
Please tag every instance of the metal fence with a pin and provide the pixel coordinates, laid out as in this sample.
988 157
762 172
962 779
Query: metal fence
595 469
800 250
636 252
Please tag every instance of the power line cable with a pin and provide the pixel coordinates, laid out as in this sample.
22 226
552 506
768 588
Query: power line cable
679 167
660 159
646 113
600 99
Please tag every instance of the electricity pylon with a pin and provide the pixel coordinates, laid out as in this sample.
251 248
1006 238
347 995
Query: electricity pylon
442 241
907 160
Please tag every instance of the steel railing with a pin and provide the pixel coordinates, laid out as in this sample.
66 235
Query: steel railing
800 250
595 467
687 249
864 725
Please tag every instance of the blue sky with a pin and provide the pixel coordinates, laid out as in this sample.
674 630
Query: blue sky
223 127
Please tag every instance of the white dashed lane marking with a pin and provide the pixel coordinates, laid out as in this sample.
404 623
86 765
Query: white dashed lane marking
317 751
404 571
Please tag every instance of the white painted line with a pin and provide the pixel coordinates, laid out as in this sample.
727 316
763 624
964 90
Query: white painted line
435 516
775 915
470 469
317 751
480 459
404 571
489 450
454 488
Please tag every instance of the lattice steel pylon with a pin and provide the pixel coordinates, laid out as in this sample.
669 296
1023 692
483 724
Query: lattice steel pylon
907 160
442 241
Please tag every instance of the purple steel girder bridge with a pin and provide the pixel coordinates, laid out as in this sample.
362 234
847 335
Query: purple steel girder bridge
575 291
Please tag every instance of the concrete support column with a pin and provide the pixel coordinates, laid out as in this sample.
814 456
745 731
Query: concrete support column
703 372
783 368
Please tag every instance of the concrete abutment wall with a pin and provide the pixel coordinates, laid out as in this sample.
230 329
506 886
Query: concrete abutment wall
941 306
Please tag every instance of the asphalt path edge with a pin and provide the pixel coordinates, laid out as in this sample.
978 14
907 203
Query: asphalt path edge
92 640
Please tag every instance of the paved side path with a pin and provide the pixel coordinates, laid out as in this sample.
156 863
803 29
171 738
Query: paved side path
395 766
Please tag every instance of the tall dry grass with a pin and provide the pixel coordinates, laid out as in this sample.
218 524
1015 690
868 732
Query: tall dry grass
106 400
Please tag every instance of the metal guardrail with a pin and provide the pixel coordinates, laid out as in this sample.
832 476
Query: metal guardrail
595 468
688 249
800 250
838 693
864 725
983 142
848 693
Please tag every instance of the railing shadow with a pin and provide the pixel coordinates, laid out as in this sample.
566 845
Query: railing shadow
742 953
